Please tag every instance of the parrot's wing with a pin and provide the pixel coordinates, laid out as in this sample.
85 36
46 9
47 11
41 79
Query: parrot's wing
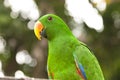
80 68
86 63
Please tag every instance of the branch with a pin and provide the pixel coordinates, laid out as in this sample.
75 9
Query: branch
13 78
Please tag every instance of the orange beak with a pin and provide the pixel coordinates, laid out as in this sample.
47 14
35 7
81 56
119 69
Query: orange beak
38 29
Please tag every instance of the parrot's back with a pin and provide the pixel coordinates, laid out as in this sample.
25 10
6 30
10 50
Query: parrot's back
89 62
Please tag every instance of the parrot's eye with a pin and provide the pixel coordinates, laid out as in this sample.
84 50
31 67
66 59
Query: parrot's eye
50 18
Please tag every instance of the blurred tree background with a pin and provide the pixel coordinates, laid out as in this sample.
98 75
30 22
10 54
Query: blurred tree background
21 54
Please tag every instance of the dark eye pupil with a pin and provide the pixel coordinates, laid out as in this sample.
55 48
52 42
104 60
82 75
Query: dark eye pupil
49 18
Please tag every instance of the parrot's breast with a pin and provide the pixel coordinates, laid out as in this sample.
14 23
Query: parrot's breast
61 62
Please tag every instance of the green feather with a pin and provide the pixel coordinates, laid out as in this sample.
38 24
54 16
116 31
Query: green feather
62 45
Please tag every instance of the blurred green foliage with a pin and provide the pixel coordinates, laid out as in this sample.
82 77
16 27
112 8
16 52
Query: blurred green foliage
105 44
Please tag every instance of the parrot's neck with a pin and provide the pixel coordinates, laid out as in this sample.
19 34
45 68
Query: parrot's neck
61 40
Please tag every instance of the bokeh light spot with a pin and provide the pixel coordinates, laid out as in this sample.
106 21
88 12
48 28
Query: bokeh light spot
2 44
27 8
23 57
19 74
83 10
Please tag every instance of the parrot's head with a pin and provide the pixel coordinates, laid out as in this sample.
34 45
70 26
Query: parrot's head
50 26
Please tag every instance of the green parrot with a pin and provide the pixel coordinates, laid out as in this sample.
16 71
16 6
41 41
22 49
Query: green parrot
68 58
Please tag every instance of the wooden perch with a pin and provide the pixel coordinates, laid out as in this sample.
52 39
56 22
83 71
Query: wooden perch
13 78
